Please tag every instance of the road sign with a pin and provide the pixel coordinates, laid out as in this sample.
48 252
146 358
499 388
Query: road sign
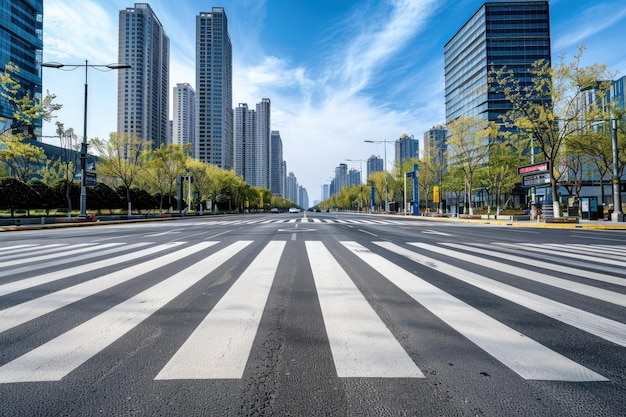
535 180
534 168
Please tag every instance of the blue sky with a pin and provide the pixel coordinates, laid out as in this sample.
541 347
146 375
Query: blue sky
338 72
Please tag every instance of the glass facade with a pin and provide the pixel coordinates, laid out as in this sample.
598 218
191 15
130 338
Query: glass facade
21 42
214 124
511 34
406 147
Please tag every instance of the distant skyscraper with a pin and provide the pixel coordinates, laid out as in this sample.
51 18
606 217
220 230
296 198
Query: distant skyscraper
374 164
292 188
435 143
263 132
511 33
244 143
341 177
184 123
276 162
214 89
354 177
21 42
143 90
407 147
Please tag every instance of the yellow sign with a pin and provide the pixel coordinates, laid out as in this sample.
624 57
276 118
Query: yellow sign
435 194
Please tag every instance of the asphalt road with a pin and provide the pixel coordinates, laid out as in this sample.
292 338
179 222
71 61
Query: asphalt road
316 315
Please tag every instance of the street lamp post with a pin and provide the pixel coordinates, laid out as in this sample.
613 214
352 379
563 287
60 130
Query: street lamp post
83 147
384 170
617 203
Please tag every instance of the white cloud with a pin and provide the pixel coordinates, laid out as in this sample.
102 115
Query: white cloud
83 31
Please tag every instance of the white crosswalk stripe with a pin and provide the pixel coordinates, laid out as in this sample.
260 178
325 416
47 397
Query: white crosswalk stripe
526 357
220 346
362 345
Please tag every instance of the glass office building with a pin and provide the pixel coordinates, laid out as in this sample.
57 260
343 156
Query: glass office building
509 33
21 42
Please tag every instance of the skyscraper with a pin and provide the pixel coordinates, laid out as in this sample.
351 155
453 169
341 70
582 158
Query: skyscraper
184 123
21 42
214 121
406 147
243 149
143 90
435 144
341 177
511 33
263 131
374 164
276 162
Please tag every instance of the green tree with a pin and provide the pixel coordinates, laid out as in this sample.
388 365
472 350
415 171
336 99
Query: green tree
122 160
164 166
549 106
468 147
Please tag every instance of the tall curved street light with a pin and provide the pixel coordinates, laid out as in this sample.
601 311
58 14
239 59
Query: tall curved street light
83 147
384 170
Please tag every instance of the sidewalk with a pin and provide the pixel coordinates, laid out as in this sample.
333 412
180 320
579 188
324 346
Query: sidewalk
582 224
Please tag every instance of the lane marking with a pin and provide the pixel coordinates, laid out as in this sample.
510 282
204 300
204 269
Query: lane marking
220 346
72 259
361 343
524 356
602 327
30 310
542 264
564 284
55 359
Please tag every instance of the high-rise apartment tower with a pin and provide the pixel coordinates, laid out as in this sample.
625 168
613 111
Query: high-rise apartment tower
184 122
214 95
143 90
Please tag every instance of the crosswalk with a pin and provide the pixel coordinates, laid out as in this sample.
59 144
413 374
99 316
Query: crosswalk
361 342
312 220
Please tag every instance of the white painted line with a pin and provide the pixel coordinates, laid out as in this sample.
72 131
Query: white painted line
542 264
526 357
24 284
221 344
564 284
60 356
553 251
18 248
42 253
361 344
607 329
74 259
30 310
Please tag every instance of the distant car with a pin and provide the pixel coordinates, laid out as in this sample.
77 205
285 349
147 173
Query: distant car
294 210
274 210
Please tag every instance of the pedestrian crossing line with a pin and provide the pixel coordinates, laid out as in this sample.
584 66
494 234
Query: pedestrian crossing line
600 249
24 284
542 264
524 356
587 249
76 249
564 284
55 359
24 248
602 327
553 257
220 346
73 259
41 250
579 256
361 344
30 310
